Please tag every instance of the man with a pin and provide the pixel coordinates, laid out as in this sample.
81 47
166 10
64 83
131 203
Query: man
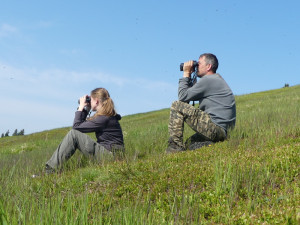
216 113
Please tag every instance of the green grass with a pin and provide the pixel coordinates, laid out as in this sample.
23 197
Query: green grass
252 178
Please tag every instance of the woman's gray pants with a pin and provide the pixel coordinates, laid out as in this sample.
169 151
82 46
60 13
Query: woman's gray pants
77 140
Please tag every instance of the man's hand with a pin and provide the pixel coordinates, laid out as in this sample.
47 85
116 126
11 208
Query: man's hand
188 68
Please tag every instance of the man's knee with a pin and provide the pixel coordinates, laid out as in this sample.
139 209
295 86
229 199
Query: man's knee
180 106
174 104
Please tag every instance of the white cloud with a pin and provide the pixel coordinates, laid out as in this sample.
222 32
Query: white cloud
37 100
70 52
7 30
32 115
50 77
44 24
54 81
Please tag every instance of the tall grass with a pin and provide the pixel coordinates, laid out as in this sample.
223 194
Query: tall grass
252 178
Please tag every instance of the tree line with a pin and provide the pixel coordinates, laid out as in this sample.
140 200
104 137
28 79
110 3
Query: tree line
16 133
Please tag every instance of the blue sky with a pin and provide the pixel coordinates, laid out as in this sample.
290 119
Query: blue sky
53 52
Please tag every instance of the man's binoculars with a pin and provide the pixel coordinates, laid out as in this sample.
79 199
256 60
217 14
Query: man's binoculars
195 64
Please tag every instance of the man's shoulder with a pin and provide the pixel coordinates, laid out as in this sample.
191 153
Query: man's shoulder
213 76
209 78
216 77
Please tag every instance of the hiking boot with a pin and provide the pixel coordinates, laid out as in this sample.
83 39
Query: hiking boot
197 145
173 147
49 169
197 141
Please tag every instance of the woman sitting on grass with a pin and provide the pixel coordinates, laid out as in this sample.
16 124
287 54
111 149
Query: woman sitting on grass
105 124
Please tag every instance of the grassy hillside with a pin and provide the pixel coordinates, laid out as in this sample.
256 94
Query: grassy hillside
252 178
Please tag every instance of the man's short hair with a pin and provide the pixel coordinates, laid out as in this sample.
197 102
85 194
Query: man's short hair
212 60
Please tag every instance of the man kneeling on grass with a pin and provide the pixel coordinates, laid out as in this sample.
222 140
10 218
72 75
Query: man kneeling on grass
216 112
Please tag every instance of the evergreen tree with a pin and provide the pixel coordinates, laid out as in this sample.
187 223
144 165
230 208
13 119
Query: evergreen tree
21 132
7 133
2 135
15 133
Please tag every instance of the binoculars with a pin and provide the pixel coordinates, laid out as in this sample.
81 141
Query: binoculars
195 64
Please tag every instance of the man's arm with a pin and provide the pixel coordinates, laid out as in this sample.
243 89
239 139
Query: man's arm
187 93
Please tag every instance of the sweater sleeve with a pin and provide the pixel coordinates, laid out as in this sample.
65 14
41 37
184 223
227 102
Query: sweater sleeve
187 93
86 126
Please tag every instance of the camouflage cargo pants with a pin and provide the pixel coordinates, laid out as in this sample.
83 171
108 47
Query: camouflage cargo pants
197 119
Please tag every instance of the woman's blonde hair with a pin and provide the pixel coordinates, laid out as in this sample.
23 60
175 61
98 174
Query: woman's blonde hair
108 107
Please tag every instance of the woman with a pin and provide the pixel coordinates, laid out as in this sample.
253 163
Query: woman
105 124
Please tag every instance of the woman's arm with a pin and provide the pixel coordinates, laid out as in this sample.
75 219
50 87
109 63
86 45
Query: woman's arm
86 126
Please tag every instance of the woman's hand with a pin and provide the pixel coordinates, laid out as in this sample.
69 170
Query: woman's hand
83 104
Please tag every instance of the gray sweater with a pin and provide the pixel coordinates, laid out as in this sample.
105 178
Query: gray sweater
215 98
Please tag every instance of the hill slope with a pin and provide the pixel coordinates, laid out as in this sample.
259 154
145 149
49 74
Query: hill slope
251 178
